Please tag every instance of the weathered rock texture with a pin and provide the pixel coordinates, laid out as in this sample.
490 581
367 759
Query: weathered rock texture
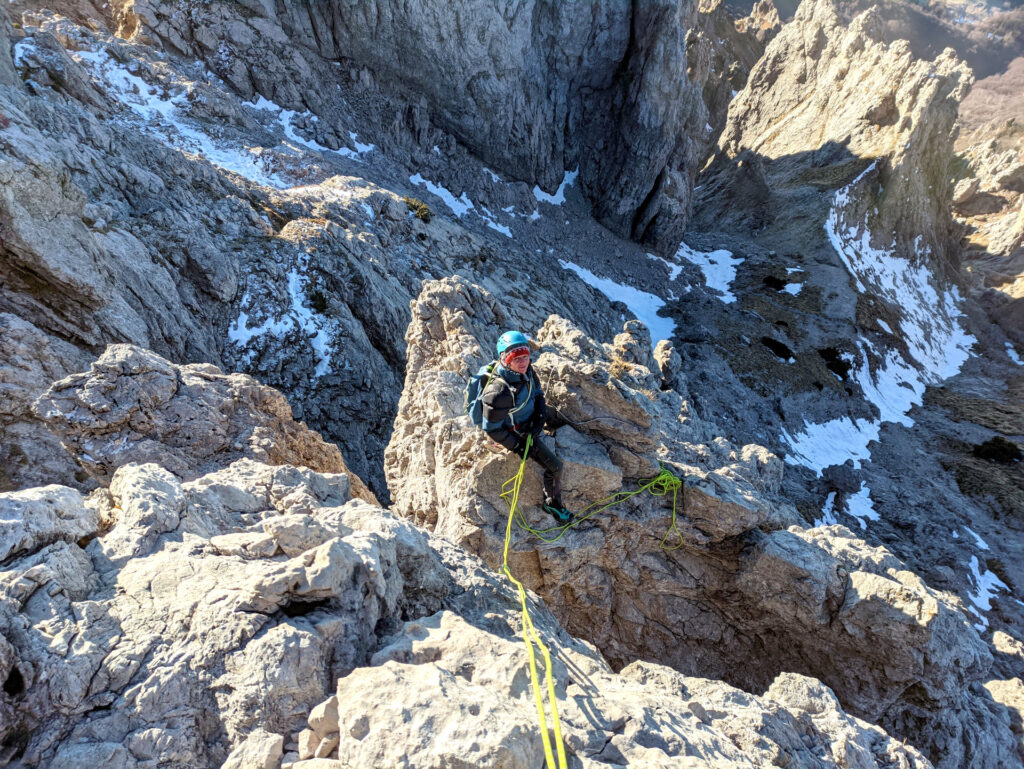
534 89
831 99
69 177
349 261
30 455
742 598
197 613
41 516
832 183
133 406
144 202
722 50
987 198
71 268
257 614
646 716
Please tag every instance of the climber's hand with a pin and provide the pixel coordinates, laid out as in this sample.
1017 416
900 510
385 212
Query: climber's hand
535 424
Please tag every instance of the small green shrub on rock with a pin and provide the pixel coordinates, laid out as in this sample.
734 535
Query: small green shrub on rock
418 207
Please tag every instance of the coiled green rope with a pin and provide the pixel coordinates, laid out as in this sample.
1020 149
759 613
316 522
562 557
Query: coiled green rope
659 486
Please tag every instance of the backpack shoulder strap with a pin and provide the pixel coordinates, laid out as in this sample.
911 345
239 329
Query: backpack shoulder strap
492 377
498 379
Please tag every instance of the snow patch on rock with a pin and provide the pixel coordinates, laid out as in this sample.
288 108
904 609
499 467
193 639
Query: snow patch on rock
988 585
645 306
559 197
930 326
317 328
159 109
719 268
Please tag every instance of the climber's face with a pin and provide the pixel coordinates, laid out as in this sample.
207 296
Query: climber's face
517 359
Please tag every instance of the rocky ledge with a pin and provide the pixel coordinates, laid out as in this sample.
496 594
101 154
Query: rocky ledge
133 406
748 592
257 616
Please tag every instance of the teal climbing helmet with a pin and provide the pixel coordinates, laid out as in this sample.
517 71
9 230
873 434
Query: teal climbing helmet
511 339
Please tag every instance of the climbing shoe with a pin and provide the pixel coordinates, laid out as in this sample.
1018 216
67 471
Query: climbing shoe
560 513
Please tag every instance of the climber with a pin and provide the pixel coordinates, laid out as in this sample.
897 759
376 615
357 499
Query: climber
514 407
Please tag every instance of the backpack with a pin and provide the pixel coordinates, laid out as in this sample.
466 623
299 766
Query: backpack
475 389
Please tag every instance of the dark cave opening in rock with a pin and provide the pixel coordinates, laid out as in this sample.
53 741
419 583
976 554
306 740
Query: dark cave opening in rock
777 347
998 449
303 608
13 746
835 363
15 683
776 284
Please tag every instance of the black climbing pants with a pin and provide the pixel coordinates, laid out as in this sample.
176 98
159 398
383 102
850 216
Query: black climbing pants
546 458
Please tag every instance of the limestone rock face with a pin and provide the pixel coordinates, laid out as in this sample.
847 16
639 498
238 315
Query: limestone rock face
648 715
196 619
112 285
721 51
740 597
74 274
534 89
453 320
30 454
37 517
147 203
988 201
8 75
260 750
833 183
827 94
198 609
352 260
134 406
195 630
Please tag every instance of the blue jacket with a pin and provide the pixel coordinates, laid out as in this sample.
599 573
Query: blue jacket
509 404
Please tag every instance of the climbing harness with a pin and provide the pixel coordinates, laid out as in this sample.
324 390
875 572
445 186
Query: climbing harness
663 483
531 636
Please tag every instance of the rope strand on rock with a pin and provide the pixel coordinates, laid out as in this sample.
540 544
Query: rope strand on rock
666 481
530 634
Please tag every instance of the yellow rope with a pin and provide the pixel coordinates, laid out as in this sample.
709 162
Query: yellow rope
530 634
658 486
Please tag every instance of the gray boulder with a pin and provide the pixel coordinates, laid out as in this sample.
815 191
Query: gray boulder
193 618
134 406
34 518
455 709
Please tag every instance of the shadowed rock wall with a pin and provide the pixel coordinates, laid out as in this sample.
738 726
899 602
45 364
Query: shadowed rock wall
838 92
534 88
